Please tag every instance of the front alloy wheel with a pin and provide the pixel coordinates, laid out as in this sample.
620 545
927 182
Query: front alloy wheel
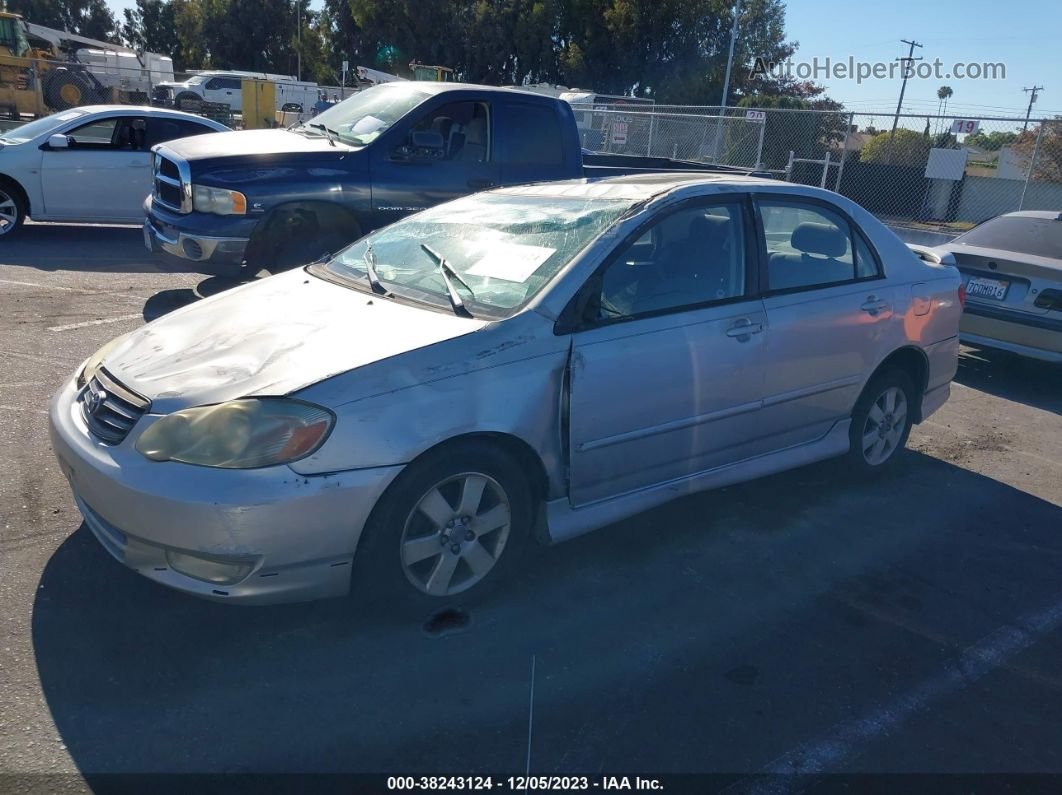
455 534
11 212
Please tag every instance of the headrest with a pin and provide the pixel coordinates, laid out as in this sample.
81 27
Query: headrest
712 230
824 239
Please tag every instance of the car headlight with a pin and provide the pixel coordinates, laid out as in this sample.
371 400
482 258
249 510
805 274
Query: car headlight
218 200
92 363
240 434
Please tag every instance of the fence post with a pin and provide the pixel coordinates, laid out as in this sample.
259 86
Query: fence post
1032 164
759 146
649 146
844 151
825 169
789 167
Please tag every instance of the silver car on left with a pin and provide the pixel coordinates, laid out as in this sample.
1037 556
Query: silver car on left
539 360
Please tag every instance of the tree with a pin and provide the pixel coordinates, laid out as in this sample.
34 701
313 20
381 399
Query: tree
944 93
1048 167
908 148
151 26
992 142
90 18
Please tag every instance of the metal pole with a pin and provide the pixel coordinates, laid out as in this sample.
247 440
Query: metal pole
1032 164
759 146
1032 99
825 170
907 63
649 146
298 6
726 79
844 151
789 167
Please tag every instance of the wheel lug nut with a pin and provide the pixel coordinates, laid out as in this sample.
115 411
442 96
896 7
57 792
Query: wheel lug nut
456 549
450 523
444 539
470 536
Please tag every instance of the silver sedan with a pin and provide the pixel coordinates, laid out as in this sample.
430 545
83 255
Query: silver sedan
536 361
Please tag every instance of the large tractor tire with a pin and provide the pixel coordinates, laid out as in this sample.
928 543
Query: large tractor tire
65 89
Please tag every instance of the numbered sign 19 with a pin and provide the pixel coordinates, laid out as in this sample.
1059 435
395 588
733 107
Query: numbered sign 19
965 126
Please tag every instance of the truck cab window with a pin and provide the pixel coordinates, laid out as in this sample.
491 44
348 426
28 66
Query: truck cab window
464 128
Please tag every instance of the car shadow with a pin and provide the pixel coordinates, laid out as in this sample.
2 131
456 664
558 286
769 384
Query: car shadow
99 248
1012 377
165 301
638 631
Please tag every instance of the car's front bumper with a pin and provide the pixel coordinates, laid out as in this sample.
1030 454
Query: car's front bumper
1035 336
190 237
295 535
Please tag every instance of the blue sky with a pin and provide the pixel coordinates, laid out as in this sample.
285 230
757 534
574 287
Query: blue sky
1025 37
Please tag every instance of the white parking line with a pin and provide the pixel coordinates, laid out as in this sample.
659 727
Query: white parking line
792 771
83 324
74 289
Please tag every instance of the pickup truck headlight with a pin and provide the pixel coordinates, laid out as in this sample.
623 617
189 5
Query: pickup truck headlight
240 434
218 200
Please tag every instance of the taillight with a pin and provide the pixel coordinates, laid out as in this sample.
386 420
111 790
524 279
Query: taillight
962 295
1049 299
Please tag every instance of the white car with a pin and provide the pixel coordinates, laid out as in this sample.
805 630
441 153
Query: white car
88 164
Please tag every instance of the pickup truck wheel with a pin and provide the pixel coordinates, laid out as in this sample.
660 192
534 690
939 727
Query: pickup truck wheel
12 211
295 253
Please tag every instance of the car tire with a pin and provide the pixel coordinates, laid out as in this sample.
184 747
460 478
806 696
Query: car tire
296 253
881 422
424 550
12 210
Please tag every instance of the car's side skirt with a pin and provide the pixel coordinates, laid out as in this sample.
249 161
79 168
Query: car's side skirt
565 522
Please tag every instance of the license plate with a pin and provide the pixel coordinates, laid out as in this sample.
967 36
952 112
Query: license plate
987 288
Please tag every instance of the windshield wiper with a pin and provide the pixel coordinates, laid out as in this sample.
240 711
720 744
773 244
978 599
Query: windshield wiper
329 134
370 272
449 276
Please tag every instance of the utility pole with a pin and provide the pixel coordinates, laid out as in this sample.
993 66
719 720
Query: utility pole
1032 98
298 6
726 80
907 63
730 57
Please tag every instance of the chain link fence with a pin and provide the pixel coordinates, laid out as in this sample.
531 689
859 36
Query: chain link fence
934 173
681 133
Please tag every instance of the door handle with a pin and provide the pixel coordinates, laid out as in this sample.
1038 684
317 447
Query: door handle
873 305
480 184
743 330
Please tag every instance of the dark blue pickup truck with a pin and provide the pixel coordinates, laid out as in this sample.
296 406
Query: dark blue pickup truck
277 198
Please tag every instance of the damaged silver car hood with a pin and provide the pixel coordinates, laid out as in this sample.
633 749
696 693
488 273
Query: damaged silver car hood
271 337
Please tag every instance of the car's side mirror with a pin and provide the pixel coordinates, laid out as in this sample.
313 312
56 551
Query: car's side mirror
423 147
58 142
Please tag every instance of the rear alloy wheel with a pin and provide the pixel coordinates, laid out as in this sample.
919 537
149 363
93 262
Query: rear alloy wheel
451 527
12 212
882 421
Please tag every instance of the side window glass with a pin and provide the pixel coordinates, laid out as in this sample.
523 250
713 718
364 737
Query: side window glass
213 83
867 265
162 130
533 136
463 128
95 135
689 257
807 246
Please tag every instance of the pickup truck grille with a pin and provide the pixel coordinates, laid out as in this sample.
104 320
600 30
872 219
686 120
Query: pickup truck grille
170 188
109 409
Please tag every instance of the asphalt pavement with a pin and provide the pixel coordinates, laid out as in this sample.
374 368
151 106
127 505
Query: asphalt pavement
775 633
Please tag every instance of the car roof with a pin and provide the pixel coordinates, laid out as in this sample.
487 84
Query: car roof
432 87
648 185
1052 215
146 110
